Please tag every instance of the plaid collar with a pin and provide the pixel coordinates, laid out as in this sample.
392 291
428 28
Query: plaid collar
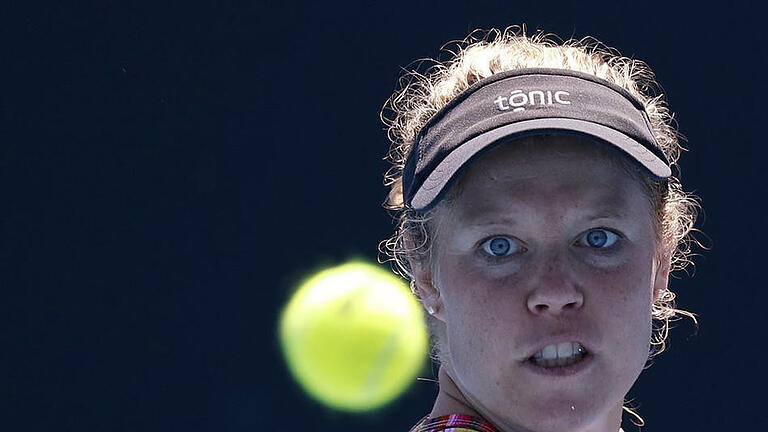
453 423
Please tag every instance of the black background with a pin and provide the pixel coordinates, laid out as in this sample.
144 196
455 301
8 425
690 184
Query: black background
170 170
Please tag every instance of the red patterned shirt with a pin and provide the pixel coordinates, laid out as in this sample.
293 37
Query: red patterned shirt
453 423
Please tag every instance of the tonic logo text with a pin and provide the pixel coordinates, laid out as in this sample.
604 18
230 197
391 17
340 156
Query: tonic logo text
517 100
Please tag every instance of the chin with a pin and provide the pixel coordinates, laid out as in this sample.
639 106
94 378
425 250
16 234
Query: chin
569 415
564 423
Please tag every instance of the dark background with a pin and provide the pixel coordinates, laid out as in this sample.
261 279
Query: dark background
169 171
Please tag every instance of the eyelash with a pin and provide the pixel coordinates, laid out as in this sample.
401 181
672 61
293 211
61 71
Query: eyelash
498 259
615 245
493 259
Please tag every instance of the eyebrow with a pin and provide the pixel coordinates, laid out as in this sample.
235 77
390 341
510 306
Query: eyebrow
504 220
507 220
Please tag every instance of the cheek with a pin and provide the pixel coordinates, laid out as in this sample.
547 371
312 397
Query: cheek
625 293
471 293
625 300
481 315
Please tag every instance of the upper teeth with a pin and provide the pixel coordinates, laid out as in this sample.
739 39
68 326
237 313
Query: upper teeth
561 350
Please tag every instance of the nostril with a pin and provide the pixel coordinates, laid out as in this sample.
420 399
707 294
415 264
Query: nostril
554 305
554 298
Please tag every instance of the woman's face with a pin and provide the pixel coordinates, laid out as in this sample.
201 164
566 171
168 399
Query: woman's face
548 246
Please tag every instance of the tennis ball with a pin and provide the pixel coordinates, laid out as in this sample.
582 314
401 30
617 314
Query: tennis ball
354 336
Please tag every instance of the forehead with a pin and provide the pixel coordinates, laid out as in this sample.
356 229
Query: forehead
552 171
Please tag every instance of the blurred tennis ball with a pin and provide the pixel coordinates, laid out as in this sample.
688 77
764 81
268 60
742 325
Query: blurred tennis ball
354 336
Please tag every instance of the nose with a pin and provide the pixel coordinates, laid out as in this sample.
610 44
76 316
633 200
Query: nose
555 290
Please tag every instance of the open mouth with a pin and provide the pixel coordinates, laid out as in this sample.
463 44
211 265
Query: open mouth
561 354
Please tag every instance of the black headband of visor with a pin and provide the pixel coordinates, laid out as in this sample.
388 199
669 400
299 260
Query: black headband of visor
520 103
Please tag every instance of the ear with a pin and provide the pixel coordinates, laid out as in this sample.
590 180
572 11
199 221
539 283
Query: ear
661 278
424 280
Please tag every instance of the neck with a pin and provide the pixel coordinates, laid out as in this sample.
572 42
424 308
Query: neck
450 400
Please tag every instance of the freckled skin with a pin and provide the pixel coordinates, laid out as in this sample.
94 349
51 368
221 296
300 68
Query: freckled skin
544 195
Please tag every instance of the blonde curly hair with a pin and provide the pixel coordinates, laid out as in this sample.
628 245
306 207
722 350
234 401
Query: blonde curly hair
484 53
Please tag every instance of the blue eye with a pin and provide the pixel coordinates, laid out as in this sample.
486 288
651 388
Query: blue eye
499 246
599 238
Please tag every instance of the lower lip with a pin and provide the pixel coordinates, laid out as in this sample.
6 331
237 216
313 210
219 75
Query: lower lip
560 371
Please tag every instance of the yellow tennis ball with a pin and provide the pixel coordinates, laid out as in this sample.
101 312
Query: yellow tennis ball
354 336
